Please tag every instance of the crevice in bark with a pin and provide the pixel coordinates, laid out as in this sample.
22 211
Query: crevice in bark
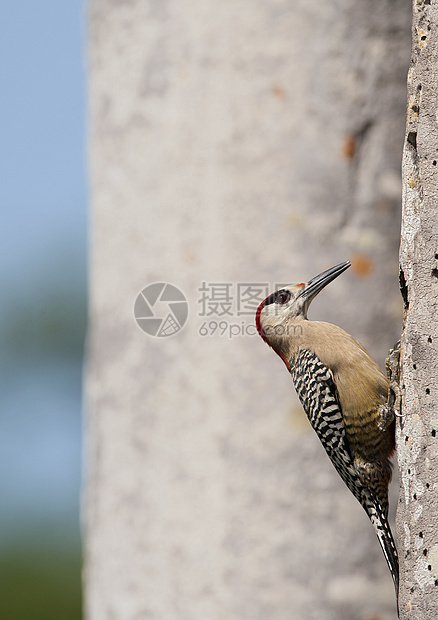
412 139
404 289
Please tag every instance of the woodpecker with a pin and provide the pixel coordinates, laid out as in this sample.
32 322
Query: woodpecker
344 394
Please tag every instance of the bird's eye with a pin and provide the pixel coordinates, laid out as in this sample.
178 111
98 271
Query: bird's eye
283 297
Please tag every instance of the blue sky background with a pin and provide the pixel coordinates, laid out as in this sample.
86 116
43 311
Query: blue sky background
43 197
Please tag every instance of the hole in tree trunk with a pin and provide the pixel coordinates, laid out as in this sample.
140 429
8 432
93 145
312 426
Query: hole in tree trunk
412 139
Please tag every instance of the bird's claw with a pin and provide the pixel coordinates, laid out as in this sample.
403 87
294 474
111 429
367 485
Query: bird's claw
393 374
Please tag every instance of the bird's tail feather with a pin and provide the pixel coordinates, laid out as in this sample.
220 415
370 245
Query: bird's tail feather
381 526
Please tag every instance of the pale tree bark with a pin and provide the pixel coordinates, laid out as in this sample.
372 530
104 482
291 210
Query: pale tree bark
234 142
417 436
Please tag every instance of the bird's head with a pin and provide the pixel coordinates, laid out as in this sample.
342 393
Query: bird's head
280 309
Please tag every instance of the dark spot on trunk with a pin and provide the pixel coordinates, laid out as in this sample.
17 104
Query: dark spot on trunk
412 137
404 289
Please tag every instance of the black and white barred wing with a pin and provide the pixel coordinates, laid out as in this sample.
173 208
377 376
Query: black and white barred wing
317 392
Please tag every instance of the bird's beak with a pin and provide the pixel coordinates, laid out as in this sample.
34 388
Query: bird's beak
316 284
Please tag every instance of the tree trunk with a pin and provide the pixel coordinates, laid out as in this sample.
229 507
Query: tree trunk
233 144
417 436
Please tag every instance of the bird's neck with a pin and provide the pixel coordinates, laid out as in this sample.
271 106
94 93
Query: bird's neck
287 337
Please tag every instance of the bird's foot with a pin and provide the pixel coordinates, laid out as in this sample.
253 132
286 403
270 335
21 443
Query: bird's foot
393 373
391 408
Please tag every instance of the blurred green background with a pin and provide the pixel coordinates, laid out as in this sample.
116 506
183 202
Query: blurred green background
43 307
